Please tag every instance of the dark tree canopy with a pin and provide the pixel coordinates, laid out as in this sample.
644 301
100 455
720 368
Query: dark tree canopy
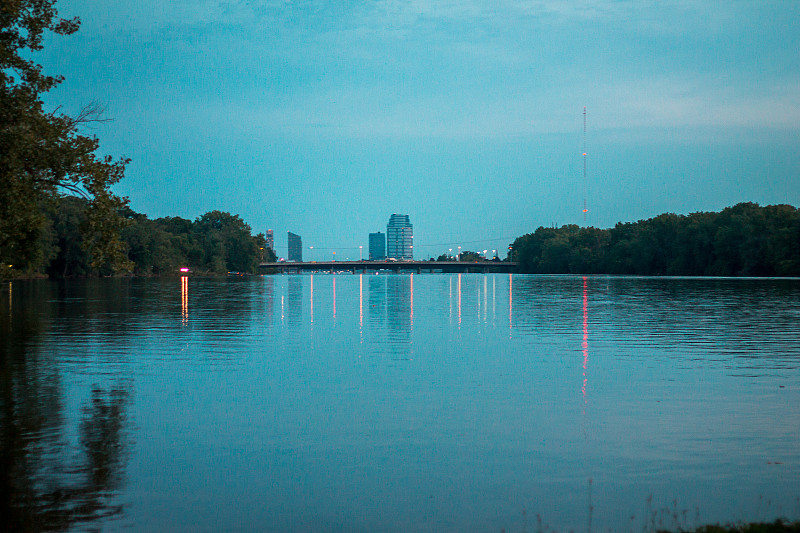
743 240
43 155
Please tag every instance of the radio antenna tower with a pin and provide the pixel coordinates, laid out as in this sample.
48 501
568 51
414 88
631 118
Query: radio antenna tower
585 210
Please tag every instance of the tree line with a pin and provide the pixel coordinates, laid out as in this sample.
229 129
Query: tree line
215 243
743 240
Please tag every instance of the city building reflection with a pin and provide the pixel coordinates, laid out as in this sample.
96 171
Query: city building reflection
294 300
399 305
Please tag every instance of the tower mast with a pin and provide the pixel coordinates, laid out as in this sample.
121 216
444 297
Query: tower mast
585 210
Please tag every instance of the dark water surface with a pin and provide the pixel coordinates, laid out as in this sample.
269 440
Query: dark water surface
398 403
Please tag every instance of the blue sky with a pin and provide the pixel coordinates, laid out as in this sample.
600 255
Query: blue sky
324 118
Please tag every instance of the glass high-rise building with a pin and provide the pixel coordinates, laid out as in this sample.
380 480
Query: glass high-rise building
400 238
377 246
270 240
295 248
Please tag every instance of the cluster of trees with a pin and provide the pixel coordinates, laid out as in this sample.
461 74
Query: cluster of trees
466 255
216 242
743 240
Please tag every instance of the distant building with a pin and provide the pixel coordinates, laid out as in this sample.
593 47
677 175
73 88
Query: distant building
400 238
377 246
270 240
295 248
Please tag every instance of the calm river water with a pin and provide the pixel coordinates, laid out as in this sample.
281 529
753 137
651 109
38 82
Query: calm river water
430 402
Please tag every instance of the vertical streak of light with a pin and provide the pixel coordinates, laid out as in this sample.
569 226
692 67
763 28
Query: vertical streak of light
412 299
585 344
282 315
485 296
459 300
10 295
184 300
334 297
585 347
450 299
361 301
494 298
312 298
478 299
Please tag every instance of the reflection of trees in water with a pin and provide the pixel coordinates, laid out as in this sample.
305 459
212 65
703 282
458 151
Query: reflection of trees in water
269 298
44 485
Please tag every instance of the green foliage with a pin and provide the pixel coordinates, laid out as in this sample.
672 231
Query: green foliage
217 243
743 240
43 154
470 257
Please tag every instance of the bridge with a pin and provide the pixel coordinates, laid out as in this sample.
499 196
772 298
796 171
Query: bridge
394 266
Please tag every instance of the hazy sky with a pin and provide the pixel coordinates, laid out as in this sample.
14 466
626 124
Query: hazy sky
324 118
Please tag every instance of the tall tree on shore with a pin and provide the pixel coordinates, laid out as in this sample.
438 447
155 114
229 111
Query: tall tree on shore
43 155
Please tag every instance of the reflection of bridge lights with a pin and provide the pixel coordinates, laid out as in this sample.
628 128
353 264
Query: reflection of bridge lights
412 299
485 296
459 299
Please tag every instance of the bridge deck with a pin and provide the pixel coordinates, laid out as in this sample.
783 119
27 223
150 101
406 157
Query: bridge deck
395 266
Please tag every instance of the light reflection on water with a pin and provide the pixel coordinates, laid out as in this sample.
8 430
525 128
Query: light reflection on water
398 402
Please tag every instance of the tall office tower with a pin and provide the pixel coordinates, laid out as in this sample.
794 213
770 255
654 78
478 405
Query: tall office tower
377 246
270 240
295 248
400 238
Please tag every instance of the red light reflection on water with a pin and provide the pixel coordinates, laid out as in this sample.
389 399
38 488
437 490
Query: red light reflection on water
585 344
